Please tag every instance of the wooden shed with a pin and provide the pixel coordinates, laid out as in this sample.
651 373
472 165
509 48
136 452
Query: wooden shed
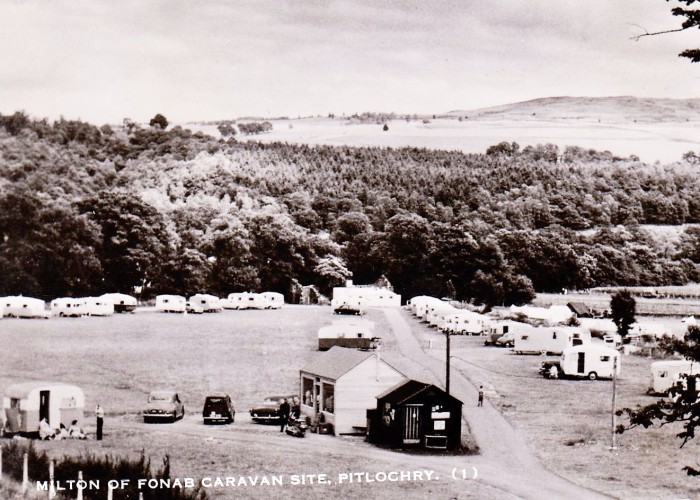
339 385
414 414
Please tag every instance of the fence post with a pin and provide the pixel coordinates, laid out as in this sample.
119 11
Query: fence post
109 492
80 485
0 463
25 473
52 488
140 495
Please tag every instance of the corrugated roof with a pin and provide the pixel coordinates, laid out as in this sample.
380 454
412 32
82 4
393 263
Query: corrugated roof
336 362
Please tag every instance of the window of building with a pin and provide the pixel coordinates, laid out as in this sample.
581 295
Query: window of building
307 391
328 399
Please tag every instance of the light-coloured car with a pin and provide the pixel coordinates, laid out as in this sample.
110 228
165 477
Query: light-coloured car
193 308
163 406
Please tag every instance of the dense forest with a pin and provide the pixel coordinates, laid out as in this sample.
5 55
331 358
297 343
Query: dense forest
86 209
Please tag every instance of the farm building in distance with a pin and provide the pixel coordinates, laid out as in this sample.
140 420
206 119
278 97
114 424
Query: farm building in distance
355 299
339 385
416 414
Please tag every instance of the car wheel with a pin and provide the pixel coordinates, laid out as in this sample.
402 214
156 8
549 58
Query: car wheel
592 376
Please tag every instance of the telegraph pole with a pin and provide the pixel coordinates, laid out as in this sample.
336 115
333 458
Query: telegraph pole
614 447
447 363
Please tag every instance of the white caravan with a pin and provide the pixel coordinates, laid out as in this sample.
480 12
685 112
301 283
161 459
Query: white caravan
422 307
120 301
95 306
358 298
244 300
68 307
24 307
171 303
665 374
436 314
503 332
209 303
466 323
590 360
272 300
549 340
420 302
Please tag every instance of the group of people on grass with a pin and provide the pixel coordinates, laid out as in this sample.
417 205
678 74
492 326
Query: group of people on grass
73 432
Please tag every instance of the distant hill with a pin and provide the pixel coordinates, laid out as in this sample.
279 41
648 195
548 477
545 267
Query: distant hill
624 109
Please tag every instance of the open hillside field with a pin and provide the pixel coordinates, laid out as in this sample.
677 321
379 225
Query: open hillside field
248 354
567 423
665 142
674 307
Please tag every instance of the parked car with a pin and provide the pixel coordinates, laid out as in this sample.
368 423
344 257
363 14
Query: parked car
218 408
163 406
268 411
193 308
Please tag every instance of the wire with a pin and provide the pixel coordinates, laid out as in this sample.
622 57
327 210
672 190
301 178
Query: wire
494 371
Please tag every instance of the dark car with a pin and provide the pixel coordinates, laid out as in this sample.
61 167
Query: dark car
268 411
218 409
163 406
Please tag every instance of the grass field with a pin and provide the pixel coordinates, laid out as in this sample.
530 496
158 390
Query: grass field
568 422
249 354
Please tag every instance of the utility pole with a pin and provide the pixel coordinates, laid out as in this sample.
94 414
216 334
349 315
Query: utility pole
614 447
447 363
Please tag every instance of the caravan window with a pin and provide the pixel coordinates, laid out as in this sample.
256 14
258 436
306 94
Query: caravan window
14 403
554 335
605 358
505 329
663 374
524 337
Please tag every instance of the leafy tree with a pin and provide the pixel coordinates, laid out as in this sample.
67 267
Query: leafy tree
331 272
134 238
159 121
623 308
690 19
682 405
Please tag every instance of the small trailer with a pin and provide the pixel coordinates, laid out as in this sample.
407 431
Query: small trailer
171 303
272 300
590 361
244 300
437 314
209 303
68 307
122 303
353 334
419 304
502 333
24 307
665 374
26 404
96 306
549 340
466 323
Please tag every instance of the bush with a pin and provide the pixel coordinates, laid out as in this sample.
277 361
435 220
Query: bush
102 469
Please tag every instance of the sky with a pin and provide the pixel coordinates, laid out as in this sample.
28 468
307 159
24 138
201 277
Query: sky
104 60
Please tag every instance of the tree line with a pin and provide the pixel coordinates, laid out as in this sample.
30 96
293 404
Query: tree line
87 209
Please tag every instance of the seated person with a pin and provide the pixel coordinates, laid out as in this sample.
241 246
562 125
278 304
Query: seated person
62 433
75 431
45 430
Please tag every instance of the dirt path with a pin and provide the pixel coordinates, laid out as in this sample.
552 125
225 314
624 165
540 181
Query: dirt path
505 462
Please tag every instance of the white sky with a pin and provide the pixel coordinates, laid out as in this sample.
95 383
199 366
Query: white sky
103 60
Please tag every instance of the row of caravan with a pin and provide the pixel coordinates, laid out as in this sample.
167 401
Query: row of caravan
104 305
448 318
203 302
356 299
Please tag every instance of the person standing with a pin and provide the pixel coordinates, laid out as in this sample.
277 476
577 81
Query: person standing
284 414
100 415
481 396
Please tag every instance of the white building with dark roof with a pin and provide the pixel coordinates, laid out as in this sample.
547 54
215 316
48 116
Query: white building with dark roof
339 386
